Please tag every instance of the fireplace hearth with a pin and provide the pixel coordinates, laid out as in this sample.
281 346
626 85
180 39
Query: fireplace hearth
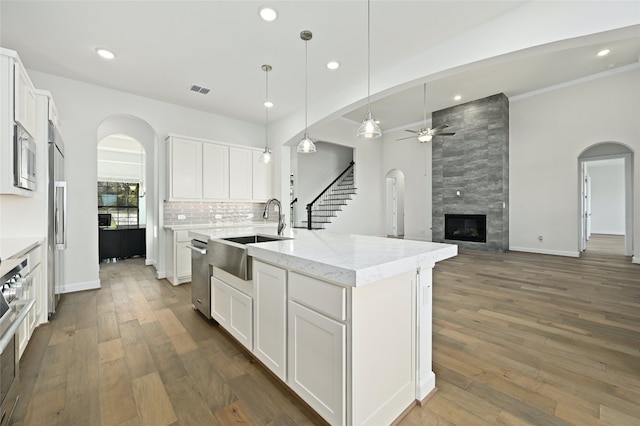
465 227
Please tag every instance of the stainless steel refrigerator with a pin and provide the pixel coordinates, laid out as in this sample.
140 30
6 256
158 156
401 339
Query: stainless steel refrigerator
57 233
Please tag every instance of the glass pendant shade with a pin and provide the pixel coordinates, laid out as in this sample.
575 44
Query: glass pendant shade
265 157
369 129
425 138
306 145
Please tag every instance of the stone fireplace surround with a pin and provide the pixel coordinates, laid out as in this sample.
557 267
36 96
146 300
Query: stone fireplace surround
470 170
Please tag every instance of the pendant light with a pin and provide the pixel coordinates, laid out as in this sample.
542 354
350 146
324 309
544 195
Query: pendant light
369 129
306 145
265 157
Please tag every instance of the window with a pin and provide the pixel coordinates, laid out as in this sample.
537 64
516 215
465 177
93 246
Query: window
120 199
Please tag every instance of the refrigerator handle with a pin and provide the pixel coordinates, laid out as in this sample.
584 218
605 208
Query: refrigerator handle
61 215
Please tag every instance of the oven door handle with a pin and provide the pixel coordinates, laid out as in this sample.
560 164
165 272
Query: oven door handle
13 328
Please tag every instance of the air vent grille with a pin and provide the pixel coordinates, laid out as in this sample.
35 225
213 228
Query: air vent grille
200 89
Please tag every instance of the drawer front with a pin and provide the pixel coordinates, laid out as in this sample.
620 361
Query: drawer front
182 236
326 298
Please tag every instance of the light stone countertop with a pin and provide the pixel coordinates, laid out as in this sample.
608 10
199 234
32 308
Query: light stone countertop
346 259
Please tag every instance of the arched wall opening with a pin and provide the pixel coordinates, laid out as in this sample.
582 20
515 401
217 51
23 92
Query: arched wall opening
394 201
139 130
610 154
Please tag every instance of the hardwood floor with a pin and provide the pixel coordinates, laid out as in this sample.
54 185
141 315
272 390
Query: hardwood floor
605 243
518 339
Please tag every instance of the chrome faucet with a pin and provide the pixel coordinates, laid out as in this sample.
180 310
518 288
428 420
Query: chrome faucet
265 214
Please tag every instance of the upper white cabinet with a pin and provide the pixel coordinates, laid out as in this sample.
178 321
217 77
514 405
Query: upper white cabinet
262 178
240 174
215 171
25 100
185 165
200 170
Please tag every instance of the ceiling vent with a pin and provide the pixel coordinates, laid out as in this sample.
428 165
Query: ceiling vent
198 89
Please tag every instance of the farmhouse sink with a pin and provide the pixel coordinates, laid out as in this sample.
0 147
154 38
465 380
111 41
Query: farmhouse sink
230 254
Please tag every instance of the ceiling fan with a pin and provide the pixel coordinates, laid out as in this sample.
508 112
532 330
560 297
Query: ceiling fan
425 133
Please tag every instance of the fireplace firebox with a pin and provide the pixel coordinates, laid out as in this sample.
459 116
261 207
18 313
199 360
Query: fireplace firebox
466 227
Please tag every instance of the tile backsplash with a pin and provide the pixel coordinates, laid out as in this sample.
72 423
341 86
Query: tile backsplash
223 213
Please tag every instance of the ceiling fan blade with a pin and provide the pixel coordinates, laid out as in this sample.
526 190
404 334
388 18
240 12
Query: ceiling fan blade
444 134
408 137
411 131
440 127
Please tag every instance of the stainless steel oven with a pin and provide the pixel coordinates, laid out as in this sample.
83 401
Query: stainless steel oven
13 311
24 159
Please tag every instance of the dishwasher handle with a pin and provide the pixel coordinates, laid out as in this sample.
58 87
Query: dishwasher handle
200 250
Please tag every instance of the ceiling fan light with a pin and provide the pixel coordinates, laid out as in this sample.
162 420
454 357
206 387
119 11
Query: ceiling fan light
265 157
306 145
425 138
369 128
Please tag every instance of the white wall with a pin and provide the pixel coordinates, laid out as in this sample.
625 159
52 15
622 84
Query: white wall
548 132
607 198
83 107
313 172
365 213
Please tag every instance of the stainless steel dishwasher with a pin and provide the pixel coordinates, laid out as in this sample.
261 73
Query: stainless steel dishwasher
200 273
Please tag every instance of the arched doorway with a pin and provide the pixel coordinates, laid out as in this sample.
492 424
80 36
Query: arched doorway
395 203
144 158
606 198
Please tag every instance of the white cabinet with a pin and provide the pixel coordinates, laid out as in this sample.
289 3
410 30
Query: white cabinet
53 114
240 174
178 257
233 311
262 178
200 170
185 169
34 272
215 171
317 345
25 100
270 316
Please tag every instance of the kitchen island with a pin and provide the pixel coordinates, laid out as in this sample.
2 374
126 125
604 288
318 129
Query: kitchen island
343 320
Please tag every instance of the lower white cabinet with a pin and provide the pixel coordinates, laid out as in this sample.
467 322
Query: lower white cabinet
233 311
178 257
34 291
317 361
270 317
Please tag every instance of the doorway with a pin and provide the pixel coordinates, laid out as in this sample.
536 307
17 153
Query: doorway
394 181
606 199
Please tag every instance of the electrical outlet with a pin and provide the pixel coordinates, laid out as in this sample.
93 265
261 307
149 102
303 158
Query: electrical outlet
182 217
539 237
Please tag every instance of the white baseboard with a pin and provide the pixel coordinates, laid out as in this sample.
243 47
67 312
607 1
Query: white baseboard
151 262
544 251
89 285
636 260
417 238
161 274
426 386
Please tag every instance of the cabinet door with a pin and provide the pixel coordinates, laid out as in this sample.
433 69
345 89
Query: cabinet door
183 260
215 171
270 316
240 173
317 366
262 178
25 100
185 161
233 311
220 302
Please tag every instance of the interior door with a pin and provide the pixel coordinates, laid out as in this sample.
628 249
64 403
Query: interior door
583 206
392 207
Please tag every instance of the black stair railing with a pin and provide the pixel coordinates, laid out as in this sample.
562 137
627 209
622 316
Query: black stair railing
310 205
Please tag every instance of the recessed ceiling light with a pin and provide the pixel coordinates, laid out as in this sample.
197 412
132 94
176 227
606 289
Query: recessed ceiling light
268 14
333 65
604 52
457 97
104 53
268 104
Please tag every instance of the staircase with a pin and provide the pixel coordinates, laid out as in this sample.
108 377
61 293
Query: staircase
330 201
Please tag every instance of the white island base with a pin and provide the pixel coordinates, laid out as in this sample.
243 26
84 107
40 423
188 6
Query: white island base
343 320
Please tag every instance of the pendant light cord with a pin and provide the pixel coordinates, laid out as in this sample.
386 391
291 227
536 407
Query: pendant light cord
266 109
369 55
306 84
